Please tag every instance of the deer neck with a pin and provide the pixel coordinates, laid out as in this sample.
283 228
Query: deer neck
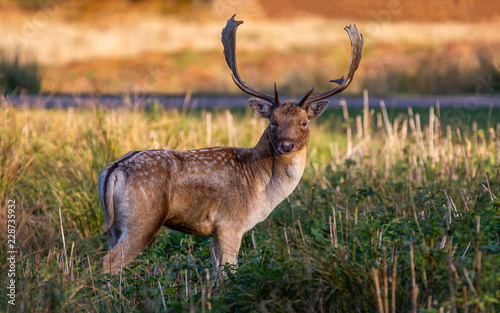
279 173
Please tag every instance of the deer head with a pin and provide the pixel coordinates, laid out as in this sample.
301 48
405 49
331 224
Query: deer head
288 128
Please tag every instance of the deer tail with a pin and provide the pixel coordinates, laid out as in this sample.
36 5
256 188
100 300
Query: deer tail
111 186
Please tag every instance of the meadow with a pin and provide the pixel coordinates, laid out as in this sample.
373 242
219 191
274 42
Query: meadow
126 47
397 211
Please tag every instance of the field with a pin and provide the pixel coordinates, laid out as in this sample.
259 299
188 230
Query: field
397 211
151 46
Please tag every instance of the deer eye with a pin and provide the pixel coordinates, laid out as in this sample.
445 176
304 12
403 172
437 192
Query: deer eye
304 124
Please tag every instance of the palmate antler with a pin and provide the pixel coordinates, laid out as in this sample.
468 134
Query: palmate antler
356 48
229 42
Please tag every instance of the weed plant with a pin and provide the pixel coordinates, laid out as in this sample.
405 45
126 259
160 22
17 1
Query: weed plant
396 212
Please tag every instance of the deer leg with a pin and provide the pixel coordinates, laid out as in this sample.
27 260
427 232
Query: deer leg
132 242
215 252
224 250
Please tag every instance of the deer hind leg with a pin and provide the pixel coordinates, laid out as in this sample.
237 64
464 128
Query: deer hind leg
131 243
135 227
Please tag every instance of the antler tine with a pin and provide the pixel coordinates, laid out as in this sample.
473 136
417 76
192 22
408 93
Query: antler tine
307 95
276 97
357 41
229 42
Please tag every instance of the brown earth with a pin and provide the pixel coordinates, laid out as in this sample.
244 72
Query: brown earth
388 10
378 10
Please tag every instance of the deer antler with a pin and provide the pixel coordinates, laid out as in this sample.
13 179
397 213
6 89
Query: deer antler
356 47
229 41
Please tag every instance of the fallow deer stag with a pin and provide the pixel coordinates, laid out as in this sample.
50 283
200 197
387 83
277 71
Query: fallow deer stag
218 192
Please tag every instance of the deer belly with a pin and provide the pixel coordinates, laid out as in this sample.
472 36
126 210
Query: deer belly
192 211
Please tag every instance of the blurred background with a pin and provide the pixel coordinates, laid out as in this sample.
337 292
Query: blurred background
173 47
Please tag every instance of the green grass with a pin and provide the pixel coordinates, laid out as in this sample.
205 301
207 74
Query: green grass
17 76
400 190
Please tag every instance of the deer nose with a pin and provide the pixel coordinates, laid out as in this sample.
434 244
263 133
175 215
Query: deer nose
286 146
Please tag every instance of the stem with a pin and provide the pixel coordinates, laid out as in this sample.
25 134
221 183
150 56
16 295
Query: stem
414 287
378 298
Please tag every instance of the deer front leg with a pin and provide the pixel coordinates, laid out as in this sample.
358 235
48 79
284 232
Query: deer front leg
224 250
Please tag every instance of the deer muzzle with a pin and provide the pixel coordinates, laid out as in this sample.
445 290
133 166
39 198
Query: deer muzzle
286 146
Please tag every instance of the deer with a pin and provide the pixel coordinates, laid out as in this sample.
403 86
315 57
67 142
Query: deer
219 192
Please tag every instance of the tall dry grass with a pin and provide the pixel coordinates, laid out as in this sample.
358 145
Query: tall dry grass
397 208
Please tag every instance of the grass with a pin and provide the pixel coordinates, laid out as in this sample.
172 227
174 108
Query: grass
415 70
166 47
396 209
17 76
428 71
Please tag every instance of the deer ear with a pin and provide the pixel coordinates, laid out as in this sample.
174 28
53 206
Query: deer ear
263 108
317 108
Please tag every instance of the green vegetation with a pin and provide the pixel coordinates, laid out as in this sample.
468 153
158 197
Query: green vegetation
17 76
33 4
414 191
